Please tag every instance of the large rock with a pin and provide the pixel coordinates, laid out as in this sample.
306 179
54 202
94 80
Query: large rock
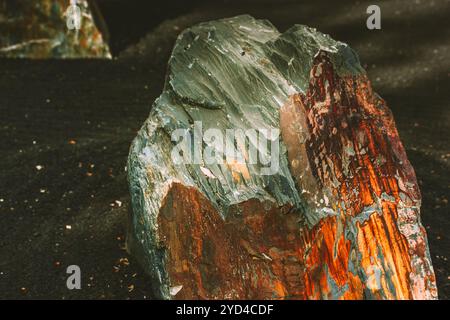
38 29
329 211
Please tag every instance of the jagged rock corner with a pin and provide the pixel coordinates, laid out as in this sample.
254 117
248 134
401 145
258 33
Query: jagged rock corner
38 30
339 219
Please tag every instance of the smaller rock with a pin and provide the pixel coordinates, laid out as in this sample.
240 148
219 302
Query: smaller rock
38 29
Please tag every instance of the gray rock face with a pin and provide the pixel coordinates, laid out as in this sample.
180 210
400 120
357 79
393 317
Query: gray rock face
280 206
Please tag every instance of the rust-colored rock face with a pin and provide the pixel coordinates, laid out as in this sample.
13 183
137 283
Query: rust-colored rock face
254 254
338 217
350 147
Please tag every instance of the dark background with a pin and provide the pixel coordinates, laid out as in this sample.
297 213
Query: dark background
77 119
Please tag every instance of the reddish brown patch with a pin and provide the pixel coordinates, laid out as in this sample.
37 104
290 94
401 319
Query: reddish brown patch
343 115
254 254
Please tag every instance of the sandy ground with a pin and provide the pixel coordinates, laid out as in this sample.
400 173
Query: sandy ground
66 126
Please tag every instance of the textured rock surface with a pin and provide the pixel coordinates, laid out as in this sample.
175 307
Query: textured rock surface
38 29
339 219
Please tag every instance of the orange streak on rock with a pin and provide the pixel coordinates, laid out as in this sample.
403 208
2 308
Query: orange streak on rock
359 164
